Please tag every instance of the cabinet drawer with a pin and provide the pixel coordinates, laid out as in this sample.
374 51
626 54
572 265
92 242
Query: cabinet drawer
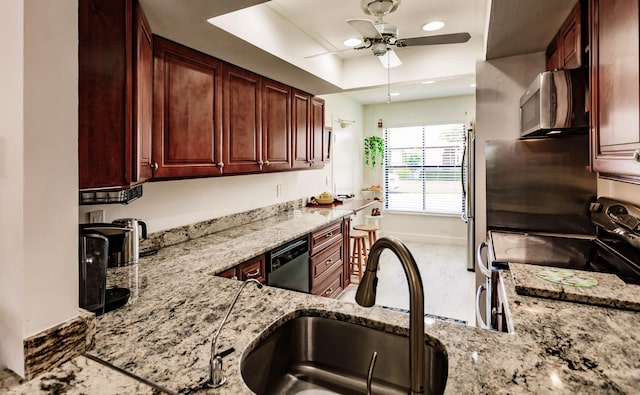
326 260
332 286
229 273
253 268
320 239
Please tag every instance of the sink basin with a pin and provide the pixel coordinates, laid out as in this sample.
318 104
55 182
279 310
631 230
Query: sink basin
315 355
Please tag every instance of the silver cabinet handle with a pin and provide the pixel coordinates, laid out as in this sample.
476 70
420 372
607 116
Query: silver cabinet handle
328 262
484 269
328 291
636 155
255 273
266 163
260 162
154 165
221 166
481 289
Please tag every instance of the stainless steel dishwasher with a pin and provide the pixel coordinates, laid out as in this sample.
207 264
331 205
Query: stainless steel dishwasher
288 266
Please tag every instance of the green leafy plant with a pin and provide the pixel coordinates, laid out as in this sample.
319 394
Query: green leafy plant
373 151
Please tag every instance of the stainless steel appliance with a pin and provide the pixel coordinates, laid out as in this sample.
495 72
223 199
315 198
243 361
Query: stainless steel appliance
554 103
468 194
288 266
130 253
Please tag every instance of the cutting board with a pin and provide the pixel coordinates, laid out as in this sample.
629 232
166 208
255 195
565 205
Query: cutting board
600 289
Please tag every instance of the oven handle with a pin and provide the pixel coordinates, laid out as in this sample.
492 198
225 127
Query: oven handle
481 289
484 269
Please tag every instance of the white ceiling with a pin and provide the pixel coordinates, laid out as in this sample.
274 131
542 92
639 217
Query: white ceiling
275 38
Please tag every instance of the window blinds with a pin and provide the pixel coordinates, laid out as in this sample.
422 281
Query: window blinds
422 168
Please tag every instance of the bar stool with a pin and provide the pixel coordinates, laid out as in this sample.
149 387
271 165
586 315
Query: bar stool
358 258
372 233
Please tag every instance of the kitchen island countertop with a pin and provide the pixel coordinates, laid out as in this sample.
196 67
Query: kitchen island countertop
164 334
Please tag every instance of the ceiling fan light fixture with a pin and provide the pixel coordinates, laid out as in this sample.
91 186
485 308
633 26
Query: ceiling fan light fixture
352 42
389 60
428 82
433 26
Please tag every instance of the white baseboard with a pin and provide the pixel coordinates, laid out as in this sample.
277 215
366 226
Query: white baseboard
432 239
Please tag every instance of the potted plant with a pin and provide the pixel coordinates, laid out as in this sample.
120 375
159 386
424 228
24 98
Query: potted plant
373 151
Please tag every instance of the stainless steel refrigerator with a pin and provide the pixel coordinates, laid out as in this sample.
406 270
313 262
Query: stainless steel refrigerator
468 194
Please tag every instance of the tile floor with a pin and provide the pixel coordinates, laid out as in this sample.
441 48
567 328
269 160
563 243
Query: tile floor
449 288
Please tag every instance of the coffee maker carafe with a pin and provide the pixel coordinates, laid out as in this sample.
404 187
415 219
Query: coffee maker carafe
131 250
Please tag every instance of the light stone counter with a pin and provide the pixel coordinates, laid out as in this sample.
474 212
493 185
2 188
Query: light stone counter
165 334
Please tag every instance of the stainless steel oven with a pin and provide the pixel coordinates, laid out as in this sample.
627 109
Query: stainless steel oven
288 266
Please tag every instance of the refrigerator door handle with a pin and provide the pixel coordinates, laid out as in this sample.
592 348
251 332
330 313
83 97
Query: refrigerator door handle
481 322
484 269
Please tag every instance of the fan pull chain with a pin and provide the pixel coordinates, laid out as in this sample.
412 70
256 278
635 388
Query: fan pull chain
388 77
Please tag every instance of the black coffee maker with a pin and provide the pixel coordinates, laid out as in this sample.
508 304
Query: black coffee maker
97 243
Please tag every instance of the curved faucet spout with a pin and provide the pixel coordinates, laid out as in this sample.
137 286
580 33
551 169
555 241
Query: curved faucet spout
216 375
366 296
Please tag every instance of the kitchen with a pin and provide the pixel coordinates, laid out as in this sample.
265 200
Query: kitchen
43 203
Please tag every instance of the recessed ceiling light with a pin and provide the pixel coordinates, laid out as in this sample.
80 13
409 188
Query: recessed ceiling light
428 82
352 42
394 94
472 85
432 26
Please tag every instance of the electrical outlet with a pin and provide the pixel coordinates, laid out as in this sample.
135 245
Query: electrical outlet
327 181
96 216
278 190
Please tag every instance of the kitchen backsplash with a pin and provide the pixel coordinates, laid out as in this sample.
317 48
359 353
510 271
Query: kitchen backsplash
181 234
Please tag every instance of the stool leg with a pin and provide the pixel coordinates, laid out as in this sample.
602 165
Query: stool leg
360 253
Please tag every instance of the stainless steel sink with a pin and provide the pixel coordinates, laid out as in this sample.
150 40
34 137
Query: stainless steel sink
315 355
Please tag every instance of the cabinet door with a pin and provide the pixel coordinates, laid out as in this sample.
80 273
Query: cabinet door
253 269
229 273
276 126
615 104
242 127
187 112
317 132
301 124
570 39
104 93
143 101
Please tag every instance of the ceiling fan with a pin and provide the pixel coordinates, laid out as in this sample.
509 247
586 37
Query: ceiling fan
381 36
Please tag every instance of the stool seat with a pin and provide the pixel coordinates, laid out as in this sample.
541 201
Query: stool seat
358 258
372 233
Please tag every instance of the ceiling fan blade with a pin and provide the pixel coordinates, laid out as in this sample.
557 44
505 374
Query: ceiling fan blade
365 27
390 59
453 38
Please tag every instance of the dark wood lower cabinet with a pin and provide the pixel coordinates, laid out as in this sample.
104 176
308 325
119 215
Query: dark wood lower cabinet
329 257
252 269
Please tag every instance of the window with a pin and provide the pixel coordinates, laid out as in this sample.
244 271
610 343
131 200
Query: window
422 168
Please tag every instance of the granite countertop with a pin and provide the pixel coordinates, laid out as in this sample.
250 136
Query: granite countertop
164 334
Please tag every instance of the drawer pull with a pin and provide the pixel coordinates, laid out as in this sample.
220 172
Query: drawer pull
256 273
329 262
328 291
330 234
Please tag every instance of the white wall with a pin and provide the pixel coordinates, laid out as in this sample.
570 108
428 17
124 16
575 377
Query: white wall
426 228
347 142
619 190
11 177
38 172
169 204
500 83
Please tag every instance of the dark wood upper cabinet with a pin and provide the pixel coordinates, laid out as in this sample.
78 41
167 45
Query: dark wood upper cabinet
566 49
317 132
187 108
276 126
242 147
114 94
301 125
615 88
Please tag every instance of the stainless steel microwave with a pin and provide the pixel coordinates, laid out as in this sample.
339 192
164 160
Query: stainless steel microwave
554 103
